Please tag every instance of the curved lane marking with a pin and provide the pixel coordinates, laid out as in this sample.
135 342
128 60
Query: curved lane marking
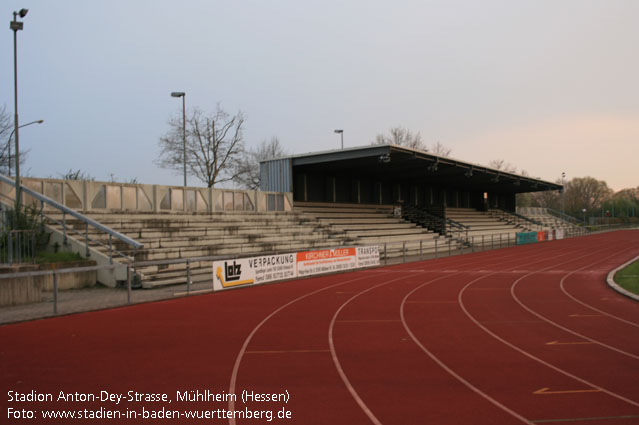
557 325
531 356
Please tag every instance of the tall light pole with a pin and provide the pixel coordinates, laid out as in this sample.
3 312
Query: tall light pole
341 133
16 26
8 148
563 191
183 96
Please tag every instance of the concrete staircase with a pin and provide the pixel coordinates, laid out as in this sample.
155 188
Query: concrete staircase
485 223
174 236
548 220
361 224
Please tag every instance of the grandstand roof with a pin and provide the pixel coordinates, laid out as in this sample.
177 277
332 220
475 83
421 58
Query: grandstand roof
407 164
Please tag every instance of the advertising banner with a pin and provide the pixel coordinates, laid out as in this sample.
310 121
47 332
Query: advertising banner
249 271
326 261
269 268
367 256
559 233
541 236
526 237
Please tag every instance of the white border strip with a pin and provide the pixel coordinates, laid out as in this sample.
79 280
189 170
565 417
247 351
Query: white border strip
611 281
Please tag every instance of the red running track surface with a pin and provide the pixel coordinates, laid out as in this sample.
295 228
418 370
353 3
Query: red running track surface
529 334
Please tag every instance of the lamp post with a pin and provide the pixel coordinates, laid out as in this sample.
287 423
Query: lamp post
183 96
563 191
341 133
8 147
16 26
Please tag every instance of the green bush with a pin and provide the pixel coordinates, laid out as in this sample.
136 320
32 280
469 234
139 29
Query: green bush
27 221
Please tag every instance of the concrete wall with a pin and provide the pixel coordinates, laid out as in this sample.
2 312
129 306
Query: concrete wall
92 196
29 289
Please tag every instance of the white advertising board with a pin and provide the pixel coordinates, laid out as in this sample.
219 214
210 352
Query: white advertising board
269 268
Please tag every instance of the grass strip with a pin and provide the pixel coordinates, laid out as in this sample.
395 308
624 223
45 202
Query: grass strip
628 277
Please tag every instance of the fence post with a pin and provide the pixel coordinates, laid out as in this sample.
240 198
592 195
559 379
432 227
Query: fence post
110 249
55 292
385 254
449 245
19 246
86 238
436 247
188 276
472 244
492 241
128 283
420 249
10 247
64 228
482 242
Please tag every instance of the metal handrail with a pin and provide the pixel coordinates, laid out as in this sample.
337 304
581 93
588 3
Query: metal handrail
455 227
518 218
88 221
562 216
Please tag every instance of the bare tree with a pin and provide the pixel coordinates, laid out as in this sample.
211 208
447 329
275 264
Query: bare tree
76 175
115 179
439 149
247 168
502 165
7 155
401 136
213 144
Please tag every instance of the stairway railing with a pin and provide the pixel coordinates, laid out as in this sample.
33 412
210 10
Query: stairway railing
88 223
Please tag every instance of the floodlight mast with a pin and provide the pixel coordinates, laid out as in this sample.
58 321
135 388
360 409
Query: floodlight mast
183 96
16 26
341 133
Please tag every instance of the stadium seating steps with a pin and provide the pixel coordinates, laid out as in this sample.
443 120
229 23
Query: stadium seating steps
170 236
363 224
548 220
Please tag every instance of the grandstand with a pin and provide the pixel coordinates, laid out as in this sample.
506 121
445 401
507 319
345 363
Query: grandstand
180 236
405 201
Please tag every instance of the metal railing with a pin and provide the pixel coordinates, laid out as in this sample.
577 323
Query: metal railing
443 226
17 246
401 252
88 222
515 218
562 216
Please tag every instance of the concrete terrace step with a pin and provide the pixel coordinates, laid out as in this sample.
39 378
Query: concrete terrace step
348 221
372 240
178 224
320 210
179 233
388 232
173 253
380 226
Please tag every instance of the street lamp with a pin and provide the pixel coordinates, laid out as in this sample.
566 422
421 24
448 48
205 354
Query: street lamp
183 96
16 26
8 147
341 133
563 191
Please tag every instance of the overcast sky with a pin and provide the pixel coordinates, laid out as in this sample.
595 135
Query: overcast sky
547 85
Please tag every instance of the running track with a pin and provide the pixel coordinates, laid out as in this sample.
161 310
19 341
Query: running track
528 334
